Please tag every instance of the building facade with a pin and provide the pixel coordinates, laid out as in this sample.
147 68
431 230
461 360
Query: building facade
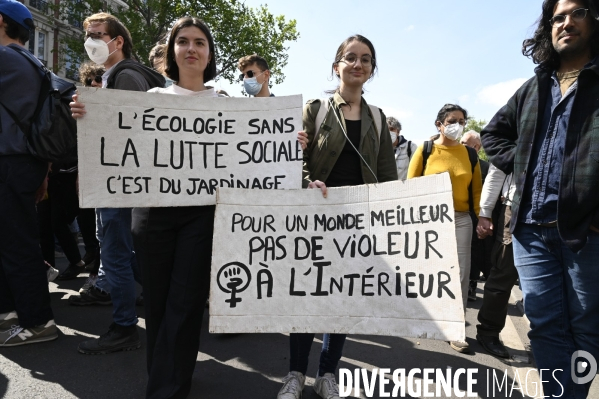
45 41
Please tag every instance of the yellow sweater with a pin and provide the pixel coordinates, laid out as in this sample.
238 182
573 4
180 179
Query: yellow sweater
455 161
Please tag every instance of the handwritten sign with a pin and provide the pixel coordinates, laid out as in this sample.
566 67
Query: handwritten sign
154 150
377 259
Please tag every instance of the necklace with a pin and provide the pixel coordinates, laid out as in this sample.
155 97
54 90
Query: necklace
572 75
567 79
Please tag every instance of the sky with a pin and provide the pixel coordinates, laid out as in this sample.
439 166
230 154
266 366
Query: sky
429 53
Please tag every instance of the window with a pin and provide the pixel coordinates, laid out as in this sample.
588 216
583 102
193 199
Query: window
71 65
39 4
75 14
41 46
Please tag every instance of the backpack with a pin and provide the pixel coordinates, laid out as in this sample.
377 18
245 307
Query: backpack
472 156
153 78
52 135
322 113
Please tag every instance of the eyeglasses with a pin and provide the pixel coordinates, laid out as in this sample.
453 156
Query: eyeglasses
577 15
250 74
351 58
462 122
97 79
95 35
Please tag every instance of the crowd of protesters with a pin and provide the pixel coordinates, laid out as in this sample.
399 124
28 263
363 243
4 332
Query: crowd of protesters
530 214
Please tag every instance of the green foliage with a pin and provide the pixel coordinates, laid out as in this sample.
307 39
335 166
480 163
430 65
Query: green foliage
238 30
477 126
474 124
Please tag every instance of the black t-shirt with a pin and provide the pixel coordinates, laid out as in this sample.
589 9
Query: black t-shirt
347 171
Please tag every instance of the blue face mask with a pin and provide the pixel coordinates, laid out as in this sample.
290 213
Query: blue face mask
251 86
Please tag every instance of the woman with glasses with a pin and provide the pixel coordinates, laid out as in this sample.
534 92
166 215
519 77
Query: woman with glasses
444 153
351 151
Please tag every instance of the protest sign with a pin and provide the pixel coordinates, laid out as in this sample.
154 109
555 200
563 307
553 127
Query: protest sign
373 259
156 150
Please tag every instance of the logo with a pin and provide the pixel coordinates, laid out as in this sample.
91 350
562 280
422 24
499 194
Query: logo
583 363
233 278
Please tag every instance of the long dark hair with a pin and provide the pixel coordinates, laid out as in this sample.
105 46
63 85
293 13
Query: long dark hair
172 69
341 52
540 47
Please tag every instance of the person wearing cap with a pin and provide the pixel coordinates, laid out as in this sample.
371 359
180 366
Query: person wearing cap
25 313
255 75
548 136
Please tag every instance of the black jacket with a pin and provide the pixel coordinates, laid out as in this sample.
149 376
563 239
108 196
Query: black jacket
508 140
153 78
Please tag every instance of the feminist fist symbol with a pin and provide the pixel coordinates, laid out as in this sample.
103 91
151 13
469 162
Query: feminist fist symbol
233 278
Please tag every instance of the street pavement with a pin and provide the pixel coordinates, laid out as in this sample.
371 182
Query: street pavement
239 366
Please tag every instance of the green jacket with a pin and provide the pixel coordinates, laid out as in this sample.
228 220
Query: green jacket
321 155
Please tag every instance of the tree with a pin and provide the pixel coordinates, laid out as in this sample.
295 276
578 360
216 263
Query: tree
477 126
238 30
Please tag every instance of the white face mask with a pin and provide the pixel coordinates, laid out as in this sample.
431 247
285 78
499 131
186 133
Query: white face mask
453 131
97 50
393 137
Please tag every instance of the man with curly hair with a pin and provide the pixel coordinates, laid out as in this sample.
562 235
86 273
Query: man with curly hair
548 135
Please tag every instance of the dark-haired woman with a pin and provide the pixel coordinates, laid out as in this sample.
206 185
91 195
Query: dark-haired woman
355 153
174 245
448 155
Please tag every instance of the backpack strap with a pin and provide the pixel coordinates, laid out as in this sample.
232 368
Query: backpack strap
321 115
409 149
378 122
473 157
27 54
426 152
45 86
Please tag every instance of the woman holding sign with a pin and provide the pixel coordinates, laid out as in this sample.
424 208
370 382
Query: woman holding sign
444 153
350 146
174 245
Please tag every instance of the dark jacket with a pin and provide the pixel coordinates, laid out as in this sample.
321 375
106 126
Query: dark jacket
20 85
321 155
508 140
119 80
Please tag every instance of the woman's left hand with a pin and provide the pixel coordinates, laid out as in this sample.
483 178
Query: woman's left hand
302 137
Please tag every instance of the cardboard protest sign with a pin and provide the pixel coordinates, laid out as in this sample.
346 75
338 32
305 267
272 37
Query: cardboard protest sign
155 150
376 259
